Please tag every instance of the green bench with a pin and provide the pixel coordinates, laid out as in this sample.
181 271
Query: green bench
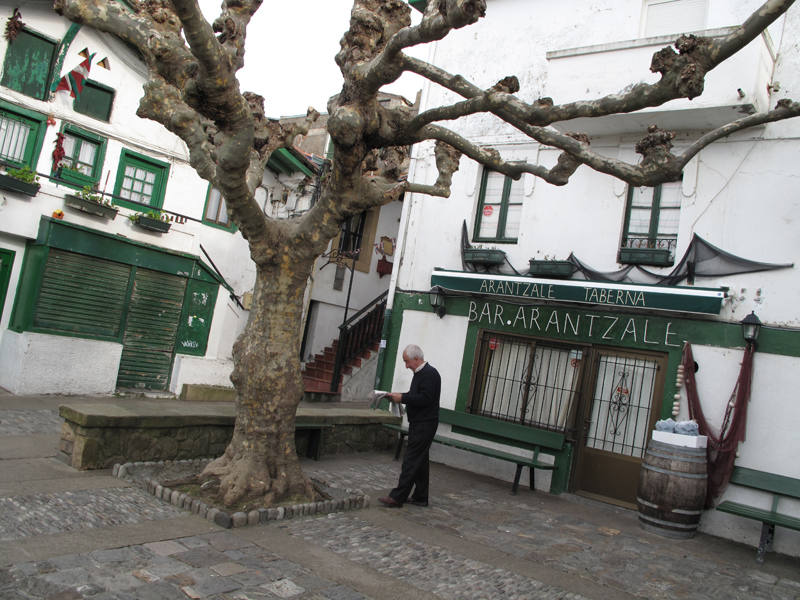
537 441
779 486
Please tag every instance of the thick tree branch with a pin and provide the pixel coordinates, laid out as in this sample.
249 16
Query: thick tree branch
785 109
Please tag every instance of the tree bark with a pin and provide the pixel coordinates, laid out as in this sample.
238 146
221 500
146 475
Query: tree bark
260 463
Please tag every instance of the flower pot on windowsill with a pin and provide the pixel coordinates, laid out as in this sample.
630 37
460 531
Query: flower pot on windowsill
487 257
555 269
90 206
661 257
152 224
12 184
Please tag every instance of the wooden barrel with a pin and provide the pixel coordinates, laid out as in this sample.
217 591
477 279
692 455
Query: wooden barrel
672 489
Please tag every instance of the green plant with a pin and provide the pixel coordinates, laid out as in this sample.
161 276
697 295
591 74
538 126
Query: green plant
156 214
25 174
87 193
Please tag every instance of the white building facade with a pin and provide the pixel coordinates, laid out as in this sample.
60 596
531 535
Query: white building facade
91 301
547 318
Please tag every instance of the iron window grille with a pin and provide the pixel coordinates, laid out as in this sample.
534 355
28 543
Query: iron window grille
21 135
526 381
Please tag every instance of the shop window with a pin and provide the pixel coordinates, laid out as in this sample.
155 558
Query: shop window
21 135
28 64
499 208
650 232
663 17
96 101
524 381
83 157
140 179
216 213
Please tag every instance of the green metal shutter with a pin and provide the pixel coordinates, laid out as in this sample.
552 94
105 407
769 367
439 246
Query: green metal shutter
6 262
149 341
82 294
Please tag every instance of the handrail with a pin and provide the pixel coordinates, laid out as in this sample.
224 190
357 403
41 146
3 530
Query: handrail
357 333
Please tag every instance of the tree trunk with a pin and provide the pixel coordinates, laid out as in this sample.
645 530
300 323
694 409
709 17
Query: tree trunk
260 465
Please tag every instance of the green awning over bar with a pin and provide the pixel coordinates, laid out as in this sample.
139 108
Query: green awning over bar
644 297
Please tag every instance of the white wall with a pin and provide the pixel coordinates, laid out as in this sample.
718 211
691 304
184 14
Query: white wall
35 363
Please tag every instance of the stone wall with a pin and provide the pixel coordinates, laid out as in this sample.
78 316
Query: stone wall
103 446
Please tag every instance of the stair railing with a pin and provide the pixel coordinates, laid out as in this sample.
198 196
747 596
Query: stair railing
357 333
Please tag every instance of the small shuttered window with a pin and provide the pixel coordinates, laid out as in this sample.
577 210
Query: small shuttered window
28 63
82 295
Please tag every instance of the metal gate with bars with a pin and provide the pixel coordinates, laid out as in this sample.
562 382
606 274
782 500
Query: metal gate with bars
603 399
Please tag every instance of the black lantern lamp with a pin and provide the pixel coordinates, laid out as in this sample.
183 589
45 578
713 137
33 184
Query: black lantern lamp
437 301
751 325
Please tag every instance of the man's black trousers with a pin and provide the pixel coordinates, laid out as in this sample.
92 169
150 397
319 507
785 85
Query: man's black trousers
415 470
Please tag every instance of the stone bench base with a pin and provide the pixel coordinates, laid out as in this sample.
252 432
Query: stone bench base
98 435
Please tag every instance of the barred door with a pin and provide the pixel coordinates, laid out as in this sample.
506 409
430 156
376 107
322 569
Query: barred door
619 411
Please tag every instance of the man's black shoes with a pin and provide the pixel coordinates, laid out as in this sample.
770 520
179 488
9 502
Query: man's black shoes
390 502
416 502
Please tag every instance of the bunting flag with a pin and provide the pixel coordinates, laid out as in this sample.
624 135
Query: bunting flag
104 63
72 82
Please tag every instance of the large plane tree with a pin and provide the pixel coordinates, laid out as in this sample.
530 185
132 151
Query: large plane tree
192 90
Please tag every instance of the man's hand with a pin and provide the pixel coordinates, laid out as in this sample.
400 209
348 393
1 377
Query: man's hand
395 397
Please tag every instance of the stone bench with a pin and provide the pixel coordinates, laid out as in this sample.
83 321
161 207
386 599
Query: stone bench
99 434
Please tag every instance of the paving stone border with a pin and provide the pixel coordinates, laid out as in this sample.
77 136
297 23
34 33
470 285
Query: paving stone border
144 473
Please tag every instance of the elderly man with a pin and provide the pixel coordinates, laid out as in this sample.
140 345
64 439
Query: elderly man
422 408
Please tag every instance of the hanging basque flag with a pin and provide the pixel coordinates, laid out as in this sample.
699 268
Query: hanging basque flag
72 82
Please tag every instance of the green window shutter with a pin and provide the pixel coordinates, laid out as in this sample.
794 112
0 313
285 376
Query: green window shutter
6 262
81 295
28 64
198 310
96 101
151 330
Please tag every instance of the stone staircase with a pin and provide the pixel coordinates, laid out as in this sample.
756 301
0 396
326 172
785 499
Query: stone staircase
318 373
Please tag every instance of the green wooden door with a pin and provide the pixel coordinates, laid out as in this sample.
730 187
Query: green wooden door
6 262
150 331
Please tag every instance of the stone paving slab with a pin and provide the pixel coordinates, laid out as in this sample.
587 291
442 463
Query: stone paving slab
143 573
46 514
476 540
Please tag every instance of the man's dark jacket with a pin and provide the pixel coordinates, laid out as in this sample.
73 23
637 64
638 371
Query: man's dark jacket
422 398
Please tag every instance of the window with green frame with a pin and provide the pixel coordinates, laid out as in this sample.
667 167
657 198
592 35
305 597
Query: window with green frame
652 217
216 213
96 101
499 208
21 135
83 157
140 179
28 64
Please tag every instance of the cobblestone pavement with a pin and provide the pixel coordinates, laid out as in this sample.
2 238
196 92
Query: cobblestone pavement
91 537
